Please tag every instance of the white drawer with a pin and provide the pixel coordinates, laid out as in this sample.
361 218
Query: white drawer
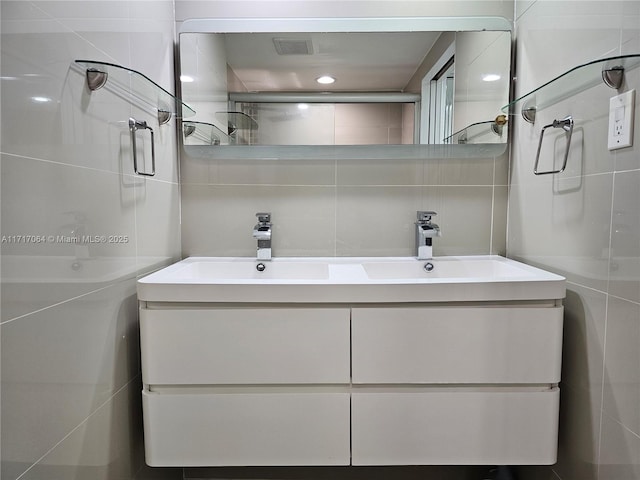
457 345
455 428
246 429
245 346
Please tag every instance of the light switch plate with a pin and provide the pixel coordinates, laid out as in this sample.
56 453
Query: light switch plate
621 113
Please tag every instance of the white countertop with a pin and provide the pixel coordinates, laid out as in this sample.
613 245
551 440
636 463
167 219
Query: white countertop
349 280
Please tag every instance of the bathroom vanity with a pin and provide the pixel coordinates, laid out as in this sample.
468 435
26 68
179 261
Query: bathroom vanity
350 361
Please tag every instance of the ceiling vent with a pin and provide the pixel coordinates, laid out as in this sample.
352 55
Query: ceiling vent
293 46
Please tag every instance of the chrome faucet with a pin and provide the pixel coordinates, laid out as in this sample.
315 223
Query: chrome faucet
262 233
426 231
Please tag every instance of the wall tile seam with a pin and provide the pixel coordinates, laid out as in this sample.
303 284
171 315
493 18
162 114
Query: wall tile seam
91 44
293 185
611 231
627 170
144 273
31 4
423 185
535 180
492 216
602 373
337 160
62 22
389 185
452 185
136 208
624 299
97 409
585 287
556 474
615 420
58 20
517 16
63 164
72 299
149 179
523 259
93 169
567 388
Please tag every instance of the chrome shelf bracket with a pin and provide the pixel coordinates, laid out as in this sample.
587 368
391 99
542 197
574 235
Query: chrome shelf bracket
613 76
96 79
188 129
163 116
529 114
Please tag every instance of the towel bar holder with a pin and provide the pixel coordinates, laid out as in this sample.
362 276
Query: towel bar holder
567 125
134 126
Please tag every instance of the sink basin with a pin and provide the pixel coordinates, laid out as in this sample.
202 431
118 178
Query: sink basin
349 280
451 268
247 269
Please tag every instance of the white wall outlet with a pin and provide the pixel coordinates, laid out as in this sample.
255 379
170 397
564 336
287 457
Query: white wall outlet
621 113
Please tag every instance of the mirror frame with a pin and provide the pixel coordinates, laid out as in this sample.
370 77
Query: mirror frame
343 24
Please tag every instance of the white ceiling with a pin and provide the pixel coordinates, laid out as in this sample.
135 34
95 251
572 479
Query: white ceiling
381 61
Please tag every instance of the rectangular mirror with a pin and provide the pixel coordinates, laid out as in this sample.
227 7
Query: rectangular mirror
413 82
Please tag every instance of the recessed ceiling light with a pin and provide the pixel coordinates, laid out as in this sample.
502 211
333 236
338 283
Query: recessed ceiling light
325 79
490 77
186 79
303 106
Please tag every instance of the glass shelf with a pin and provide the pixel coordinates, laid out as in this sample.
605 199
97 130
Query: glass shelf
133 85
480 132
203 133
570 83
237 121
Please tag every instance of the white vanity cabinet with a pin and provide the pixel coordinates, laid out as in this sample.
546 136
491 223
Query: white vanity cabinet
379 385
245 346
455 384
246 386
343 368
457 344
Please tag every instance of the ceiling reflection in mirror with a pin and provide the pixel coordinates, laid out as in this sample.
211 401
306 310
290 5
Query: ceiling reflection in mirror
386 88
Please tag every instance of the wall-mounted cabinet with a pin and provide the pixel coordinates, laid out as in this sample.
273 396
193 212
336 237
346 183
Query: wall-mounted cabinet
380 385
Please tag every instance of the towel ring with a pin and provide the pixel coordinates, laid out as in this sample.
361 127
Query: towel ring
567 125
134 126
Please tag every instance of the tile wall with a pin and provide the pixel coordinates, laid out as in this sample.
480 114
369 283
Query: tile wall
70 383
70 355
584 224
328 207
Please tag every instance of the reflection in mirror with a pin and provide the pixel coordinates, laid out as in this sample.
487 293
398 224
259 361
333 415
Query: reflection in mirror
387 87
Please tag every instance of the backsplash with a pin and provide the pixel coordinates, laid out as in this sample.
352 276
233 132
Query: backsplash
343 207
